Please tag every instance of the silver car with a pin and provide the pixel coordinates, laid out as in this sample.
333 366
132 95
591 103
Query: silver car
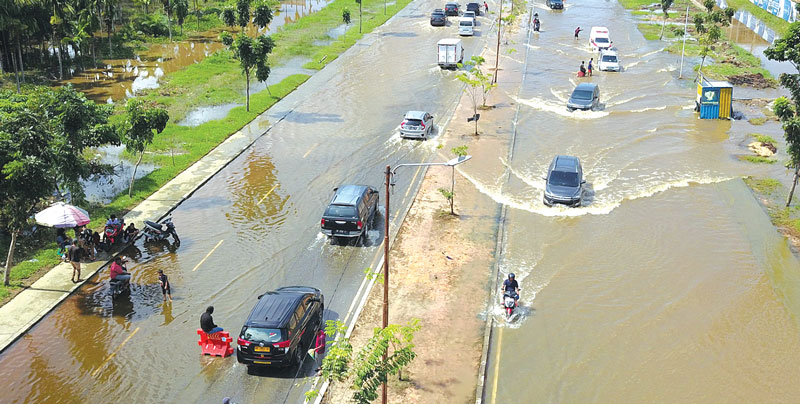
417 124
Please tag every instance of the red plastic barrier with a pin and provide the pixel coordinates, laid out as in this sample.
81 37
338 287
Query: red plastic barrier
217 344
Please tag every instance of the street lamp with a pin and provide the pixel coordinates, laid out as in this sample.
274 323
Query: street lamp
389 176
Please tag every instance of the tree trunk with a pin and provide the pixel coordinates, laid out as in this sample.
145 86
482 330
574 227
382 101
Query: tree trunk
660 37
475 115
16 70
7 275
794 184
700 69
247 102
359 16
57 48
169 20
452 189
21 65
133 177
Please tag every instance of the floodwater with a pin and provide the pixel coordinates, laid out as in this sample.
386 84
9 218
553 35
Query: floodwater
252 228
103 188
754 43
669 284
121 78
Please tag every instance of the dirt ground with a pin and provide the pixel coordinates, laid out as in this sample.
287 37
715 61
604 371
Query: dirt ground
441 266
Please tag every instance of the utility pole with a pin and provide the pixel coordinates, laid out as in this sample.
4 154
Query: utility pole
685 26
386 267
499 26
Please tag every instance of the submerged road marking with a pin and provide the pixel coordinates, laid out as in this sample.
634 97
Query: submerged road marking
497 364
309 150
207 255
267 194
96 371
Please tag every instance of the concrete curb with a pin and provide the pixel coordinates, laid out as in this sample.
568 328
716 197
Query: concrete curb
489 328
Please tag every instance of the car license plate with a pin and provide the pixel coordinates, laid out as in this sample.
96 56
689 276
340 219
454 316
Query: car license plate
262 363
262 349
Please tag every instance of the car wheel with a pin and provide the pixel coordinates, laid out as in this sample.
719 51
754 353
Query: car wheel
298 356
334 240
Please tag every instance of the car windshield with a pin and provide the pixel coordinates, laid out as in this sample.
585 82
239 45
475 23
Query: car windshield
340 211
609 58
267 335
563 179
465 23
601 40
582 95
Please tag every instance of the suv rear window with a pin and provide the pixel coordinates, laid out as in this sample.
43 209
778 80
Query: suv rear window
601 40
413 122
266 335
341 211
465 23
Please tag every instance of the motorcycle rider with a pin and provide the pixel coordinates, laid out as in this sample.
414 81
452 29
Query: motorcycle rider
536 22
118 271
511 286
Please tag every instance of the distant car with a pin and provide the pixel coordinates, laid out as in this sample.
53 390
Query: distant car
599 39
585 96
474 6
609 61
554 4
281 327
349 212
438 18
418 124
564 182
470 14
451 9
466 26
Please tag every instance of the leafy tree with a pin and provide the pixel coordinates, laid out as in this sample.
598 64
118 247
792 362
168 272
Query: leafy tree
451 193
242 13
262 15
787 49
229 17
387 352
478 84
252 55
43 136
708 26
142 122
181 12
346 15
665 5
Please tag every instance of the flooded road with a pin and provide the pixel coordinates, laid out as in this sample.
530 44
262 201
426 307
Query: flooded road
122 78
252 228
669 284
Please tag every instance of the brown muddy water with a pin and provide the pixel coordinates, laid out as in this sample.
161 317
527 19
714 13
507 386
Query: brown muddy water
121 78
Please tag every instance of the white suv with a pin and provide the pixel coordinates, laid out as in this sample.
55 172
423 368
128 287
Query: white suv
609 61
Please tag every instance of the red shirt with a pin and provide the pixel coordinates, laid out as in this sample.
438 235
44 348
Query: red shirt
116 269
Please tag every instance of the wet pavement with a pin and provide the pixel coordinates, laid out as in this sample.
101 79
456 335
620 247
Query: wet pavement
253 227
117 79
669 284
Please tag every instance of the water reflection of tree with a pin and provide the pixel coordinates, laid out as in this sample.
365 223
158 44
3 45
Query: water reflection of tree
258 177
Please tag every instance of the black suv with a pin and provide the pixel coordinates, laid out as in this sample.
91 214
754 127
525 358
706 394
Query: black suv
555 4
281 327
350 211
438 19
476 7
564 182
451 9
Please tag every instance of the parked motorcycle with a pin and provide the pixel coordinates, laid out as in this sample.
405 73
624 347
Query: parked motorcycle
509 302
160 231
112 234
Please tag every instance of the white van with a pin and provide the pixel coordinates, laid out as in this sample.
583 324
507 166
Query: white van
609 61
599 39
451 53
466 26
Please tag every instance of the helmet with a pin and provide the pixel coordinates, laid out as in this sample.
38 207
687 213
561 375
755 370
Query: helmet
511 275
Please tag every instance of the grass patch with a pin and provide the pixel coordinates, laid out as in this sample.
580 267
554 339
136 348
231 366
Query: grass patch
757 121
757 159
631 4
641 12
766 186
762 138
651 32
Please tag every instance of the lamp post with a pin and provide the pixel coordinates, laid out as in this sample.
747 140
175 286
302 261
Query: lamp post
389 177
499 27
